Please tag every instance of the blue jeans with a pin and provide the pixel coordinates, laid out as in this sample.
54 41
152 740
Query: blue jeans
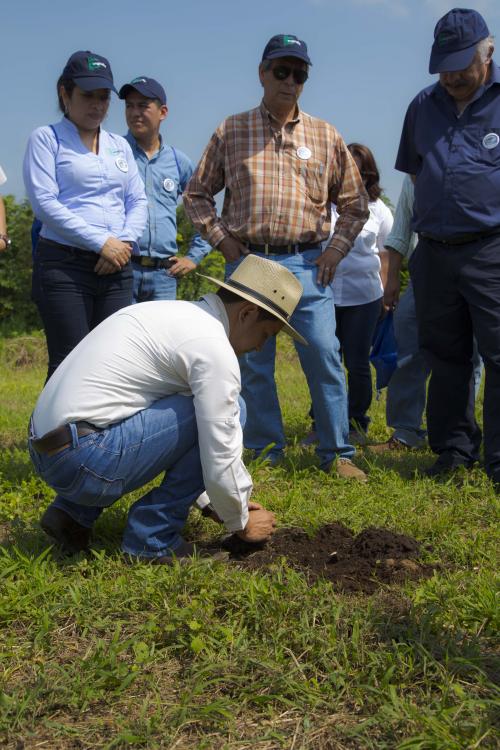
72 298
153 284
407 390
96 470
314 318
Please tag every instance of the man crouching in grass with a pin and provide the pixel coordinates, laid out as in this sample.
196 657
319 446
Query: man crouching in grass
156 387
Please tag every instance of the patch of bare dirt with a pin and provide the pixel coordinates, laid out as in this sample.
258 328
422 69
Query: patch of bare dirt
353 563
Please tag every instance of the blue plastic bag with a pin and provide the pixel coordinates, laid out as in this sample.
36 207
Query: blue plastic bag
384 354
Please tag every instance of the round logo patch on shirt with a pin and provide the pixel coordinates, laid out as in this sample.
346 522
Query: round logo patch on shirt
304 153
121 163
168 184
491 140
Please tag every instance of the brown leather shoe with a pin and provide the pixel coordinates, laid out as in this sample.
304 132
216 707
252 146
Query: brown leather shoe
393 444
71 536
347 470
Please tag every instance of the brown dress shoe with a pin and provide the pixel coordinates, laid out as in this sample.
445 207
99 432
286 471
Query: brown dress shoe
71 536
393 444
347 470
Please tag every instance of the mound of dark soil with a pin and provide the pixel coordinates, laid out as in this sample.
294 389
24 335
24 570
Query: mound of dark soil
351 563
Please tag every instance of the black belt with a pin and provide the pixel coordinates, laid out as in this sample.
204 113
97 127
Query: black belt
60 437
296 247
146 261
461 239
69 248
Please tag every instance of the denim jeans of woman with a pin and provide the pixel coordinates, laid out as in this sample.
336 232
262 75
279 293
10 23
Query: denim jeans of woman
72 298
355 328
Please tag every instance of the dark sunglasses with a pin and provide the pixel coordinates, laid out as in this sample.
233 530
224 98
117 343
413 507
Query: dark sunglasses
282 72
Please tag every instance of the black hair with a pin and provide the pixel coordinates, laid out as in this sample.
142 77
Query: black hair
369 170
230 298
69 86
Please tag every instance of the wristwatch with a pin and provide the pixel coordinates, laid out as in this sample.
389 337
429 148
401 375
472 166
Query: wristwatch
7 240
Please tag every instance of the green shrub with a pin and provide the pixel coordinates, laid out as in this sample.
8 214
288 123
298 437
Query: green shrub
18 314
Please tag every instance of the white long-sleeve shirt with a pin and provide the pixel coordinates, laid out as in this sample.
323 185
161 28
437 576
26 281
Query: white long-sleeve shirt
143 353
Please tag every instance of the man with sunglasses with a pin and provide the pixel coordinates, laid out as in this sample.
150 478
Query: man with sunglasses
281 169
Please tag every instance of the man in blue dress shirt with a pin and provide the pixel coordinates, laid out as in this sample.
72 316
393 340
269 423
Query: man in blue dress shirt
451 146
165 172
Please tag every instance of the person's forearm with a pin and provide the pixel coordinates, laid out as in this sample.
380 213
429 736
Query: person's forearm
353 215
3 221
201 211
394 261
384 266
198 249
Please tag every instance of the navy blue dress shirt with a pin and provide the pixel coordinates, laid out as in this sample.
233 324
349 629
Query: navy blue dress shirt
456 160
165 175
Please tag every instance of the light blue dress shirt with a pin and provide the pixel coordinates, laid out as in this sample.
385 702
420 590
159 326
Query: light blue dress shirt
165 176
83 198
401 237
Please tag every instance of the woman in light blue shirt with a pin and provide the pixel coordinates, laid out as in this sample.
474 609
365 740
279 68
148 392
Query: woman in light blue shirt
84 187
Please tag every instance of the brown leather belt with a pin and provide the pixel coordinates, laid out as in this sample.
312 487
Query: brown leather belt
61 437
296 247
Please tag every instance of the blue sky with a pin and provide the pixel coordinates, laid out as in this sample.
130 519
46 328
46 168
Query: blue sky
369 58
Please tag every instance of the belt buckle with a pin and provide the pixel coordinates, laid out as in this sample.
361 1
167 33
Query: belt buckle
266 249
147 261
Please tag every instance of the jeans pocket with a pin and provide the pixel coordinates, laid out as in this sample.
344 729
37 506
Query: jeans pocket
91 489
309 257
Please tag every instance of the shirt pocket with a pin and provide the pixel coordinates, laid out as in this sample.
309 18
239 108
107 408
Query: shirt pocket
487 142
311 177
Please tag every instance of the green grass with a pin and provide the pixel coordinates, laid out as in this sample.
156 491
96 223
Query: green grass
98 653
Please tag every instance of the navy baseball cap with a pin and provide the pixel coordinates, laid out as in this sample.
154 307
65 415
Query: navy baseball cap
286 45
147 87
89 71
455 38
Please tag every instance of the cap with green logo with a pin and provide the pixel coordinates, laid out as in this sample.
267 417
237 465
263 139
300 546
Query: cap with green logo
455 39
89 71
146 86
286 45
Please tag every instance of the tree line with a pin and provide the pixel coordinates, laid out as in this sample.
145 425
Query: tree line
19 315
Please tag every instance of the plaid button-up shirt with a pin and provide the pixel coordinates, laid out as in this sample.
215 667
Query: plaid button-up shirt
279 183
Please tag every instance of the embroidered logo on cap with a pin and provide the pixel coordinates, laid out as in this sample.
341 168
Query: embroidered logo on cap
287 40
94 64
139 80
444 37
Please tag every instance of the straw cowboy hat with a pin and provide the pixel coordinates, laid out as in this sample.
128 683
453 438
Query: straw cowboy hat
269 285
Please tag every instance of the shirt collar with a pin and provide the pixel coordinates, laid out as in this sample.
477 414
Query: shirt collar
217 309
136 148
70 127
266 115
